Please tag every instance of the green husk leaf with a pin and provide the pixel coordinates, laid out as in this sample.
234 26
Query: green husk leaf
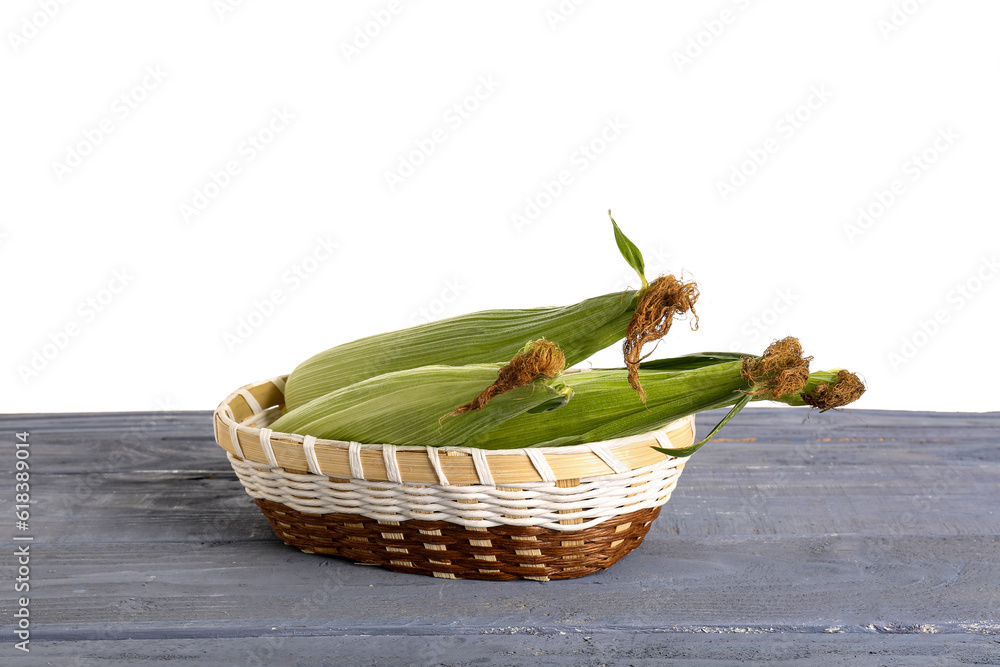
629 251
691 449
816 378
689 362
405 407
603 406
408 407
565 394
491 336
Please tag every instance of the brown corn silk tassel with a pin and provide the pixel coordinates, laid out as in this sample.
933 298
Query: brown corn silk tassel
847 389
663 299
780 371
538 359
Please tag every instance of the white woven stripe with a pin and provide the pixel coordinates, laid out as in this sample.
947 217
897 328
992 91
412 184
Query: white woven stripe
391 464
309 449
354 458
251 401
541 465
663 439
542 504
482 465
279 383
234 437
613 461
435 459
265 444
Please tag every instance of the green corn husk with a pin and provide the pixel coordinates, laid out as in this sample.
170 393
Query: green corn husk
694 361
816 379
408 407
604 406
484 337
416 406
491 336
829 390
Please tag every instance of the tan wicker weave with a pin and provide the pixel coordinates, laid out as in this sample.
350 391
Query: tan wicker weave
456 512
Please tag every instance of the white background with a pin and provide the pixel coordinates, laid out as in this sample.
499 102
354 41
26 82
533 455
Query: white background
174 310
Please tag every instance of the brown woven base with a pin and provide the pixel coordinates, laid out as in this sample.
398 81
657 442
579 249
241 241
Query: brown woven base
448 550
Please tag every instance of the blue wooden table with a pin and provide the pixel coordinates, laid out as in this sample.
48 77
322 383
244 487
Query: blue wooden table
852 538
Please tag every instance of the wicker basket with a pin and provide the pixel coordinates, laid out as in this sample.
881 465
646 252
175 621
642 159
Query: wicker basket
454 512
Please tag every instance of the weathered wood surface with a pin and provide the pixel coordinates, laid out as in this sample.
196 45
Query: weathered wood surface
864 538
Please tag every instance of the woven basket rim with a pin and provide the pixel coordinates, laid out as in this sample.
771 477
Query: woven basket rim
241 429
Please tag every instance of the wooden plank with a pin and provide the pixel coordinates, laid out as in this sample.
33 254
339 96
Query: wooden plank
757 581
517 646
795 534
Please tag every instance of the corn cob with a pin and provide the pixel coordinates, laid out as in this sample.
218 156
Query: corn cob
494 336
602 408
409 406
484 337
545 408
827 390
405 407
